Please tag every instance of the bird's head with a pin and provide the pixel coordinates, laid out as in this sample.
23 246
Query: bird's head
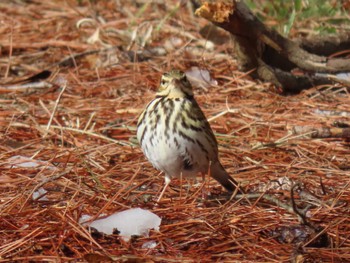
174 84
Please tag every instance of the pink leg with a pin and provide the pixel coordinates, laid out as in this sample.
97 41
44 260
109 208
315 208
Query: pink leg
167 182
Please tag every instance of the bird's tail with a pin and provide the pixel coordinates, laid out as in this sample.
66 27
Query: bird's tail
218 172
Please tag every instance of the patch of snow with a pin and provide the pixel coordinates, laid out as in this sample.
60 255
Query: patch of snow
19 161
83 219
344 76
149 244
39 195
332 113
200 77
134 221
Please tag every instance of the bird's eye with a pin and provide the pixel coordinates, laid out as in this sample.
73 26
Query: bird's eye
163 82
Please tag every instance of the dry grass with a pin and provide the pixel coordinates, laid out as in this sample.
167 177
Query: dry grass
82 128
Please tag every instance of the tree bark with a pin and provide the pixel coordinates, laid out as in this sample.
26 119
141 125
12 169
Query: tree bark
274 56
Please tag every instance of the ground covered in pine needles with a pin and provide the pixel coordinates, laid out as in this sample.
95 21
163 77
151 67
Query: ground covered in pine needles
68 143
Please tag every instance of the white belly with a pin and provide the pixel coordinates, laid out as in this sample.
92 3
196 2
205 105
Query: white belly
169 151
169 154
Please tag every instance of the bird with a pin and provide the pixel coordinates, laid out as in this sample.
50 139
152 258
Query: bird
176 137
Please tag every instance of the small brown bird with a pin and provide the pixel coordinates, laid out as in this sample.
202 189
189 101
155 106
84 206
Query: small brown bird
176 137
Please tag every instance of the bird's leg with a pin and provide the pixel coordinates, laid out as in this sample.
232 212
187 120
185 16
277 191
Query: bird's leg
204 189
204 194
181 185
167 182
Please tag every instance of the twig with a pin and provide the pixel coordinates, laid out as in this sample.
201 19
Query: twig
55 108
88 133
280 141
8 247
10 53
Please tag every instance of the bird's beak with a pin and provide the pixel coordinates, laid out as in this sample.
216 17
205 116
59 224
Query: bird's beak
175 82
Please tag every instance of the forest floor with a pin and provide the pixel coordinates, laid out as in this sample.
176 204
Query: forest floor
71 139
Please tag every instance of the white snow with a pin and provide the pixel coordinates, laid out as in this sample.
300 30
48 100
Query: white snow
200 77
39 195
134 221
19 161
149 244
